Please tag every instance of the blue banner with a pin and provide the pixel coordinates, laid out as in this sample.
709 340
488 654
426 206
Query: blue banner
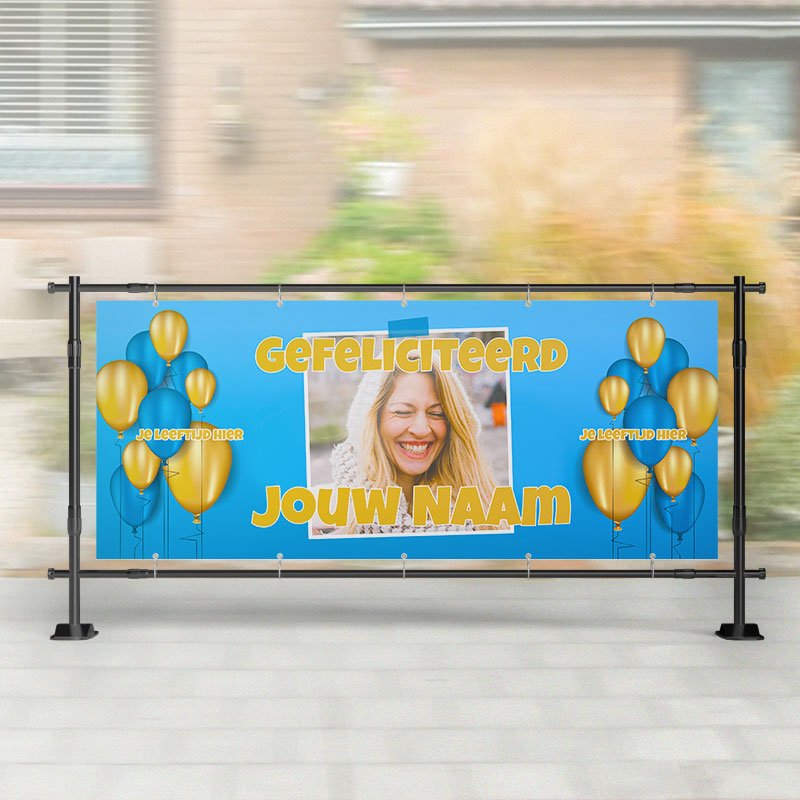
442 429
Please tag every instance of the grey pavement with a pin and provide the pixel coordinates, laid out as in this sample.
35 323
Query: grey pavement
399 689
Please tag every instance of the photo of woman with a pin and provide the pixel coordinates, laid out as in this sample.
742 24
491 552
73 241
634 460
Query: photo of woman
409 428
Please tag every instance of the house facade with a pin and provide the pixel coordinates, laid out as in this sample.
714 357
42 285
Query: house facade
147 140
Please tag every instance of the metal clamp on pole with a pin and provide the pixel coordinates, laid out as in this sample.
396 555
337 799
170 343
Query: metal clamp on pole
74 354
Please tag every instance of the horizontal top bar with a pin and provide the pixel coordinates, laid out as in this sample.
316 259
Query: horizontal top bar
272 288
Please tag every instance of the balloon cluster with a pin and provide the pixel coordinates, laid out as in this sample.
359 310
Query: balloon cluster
655 389
157 384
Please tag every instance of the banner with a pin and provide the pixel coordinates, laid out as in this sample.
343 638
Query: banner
440 429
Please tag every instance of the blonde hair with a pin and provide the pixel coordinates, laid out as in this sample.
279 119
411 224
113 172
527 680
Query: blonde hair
460 462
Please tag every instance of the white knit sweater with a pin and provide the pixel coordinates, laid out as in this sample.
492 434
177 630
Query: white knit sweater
345 472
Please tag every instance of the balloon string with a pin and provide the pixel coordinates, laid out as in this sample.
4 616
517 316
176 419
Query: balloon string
164 520
694 511
617 544
648 518
118 443
202 502
646 481
197 535
649 511
613 487
140 539
168 473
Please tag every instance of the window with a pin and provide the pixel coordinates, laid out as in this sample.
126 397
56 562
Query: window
77 122
748 110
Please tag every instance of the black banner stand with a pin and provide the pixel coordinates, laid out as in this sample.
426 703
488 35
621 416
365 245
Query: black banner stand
738 630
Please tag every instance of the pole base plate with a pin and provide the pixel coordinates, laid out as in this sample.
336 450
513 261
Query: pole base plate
65 631
746 632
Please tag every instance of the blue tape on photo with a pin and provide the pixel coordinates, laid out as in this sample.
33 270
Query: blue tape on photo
416 326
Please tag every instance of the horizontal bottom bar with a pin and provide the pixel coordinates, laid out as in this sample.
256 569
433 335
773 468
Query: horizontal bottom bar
761 573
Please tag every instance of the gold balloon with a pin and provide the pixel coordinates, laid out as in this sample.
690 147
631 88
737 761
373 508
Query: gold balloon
614 393
200 387
616 481
674 471
140 464
168 331
694 395
198 472
646 341
121 386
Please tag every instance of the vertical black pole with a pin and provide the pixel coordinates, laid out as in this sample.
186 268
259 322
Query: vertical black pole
74 629
739 629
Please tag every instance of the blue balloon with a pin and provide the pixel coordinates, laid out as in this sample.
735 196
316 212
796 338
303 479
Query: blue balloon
182 366
650 411
631 373
134 508
681 515
164 408
141 352
672 360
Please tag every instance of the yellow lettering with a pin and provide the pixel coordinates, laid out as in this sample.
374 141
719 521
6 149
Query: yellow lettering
425 355
297 354
402 355
298 494
503 507
546 498
554 354
470 354
267 362
468 506
369 362
445 348
525 353
346 354
337 515
434 504
270 515
321 352
367 503
498 351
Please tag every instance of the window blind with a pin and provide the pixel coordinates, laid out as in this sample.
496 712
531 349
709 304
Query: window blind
76 92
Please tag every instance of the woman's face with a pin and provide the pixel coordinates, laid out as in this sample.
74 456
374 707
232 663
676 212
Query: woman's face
412 425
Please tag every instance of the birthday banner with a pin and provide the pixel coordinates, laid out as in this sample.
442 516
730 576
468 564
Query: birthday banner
439 429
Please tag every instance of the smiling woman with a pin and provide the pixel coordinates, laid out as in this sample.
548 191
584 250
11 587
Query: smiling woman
406 430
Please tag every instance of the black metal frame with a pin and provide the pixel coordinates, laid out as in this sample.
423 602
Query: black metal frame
737 630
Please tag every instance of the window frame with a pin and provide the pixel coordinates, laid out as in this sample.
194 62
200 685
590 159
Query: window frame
45 199
744 50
